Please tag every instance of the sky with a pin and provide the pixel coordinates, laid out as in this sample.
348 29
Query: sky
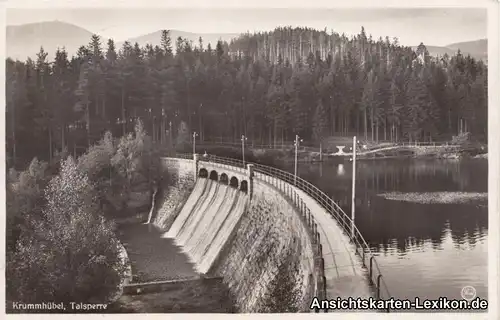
433 26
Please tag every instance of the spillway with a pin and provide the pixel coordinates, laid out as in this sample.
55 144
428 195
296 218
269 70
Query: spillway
207 220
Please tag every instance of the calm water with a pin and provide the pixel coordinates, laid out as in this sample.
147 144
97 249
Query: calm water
425 250
152 256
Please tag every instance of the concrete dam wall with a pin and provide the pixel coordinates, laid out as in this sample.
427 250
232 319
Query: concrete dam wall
178 180
241 229
207 220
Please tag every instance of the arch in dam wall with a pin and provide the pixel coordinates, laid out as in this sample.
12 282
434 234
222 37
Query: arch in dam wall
214 176
244 186
234 182
203 173
224 179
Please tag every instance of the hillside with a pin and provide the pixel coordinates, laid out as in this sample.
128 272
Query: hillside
477 49
25 40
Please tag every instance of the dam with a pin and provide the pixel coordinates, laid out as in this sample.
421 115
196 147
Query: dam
257 230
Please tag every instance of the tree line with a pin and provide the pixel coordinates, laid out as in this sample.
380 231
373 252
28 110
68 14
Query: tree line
268 86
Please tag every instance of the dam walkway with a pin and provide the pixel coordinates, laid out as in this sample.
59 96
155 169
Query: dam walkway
348 267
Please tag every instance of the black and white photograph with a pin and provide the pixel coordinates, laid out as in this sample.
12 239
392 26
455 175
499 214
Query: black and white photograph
234 160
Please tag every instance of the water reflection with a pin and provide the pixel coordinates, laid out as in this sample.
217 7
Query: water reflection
431 250
340 169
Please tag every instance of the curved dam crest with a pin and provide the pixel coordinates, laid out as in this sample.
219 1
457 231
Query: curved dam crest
244 236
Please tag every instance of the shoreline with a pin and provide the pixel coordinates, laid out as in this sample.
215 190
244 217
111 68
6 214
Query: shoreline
266 156
330 159
312 157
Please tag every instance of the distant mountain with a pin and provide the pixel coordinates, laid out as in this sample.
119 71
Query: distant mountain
477 49
155 38
25 40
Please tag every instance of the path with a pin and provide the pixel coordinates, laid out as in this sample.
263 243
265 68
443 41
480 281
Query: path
345 276
403 147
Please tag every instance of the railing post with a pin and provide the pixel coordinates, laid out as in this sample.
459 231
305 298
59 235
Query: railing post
370 272
378 286
324 288
195 159
250 169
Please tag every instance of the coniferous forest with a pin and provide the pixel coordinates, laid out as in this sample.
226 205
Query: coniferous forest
268 86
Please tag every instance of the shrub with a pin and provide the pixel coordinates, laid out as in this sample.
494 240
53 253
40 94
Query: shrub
25 198
72 255
461 139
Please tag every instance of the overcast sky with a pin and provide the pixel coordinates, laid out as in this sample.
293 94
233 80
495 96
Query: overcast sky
412 26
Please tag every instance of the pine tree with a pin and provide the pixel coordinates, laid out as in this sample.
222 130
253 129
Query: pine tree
111 54
95 48
46 113
418 101
166 43
320 122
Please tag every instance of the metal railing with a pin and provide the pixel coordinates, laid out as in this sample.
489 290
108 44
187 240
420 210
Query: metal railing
184 156
362 249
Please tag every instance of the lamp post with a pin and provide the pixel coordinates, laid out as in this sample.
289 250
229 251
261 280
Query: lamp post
353 199
123 123
162 127
194 142
243 139
73 127
170 131
200 123
152 123
297 141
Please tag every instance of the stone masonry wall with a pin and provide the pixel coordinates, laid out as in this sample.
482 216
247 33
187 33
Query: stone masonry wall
269 231
176 186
